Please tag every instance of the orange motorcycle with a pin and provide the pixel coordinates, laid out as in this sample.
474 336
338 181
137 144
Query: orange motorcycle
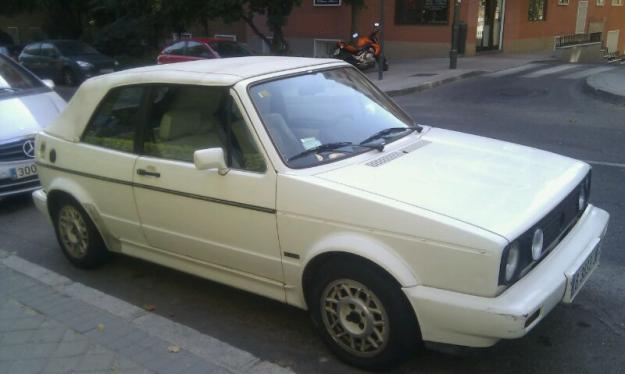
364 51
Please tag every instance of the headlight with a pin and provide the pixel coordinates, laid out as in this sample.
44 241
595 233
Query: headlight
512 261
85 64
537 244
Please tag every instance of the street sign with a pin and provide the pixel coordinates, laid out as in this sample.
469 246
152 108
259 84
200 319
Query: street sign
327 2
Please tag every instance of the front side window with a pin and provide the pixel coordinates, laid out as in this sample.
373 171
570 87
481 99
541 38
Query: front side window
335 109
48 50
32 49
537 10
74 48
114 122
421 12
230 49
184 119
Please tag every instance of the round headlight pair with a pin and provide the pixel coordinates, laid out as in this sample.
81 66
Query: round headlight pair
583 196
512 261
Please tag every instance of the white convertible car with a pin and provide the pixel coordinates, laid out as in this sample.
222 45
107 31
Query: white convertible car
298 180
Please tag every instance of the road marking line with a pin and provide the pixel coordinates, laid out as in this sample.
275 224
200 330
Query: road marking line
553 70
603 163
511 71
588 72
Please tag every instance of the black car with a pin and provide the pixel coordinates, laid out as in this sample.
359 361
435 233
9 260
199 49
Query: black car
69 62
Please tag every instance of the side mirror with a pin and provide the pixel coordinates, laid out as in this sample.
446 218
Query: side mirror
49 83
211 158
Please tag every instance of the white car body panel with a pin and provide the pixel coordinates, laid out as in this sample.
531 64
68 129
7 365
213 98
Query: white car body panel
437 217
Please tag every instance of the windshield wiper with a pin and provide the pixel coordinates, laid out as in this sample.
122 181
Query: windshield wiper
390 130
320 148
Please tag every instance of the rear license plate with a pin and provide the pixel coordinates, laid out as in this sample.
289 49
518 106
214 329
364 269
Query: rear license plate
24 171
576 280
106 71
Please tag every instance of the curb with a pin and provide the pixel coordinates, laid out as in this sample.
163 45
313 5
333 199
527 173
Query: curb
230 358
598 93
432 84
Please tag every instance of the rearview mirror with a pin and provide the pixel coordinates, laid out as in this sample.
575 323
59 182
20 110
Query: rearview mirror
211 158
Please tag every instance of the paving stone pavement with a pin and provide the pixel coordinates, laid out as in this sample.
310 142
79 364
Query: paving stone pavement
45 328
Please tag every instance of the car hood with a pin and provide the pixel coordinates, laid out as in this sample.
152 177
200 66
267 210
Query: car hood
26 115
498 186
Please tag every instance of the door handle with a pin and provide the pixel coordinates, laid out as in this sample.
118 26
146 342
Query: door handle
146 173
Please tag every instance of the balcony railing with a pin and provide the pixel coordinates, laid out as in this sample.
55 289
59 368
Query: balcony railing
575 39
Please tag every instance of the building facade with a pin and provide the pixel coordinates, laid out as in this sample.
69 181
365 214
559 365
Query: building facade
422 28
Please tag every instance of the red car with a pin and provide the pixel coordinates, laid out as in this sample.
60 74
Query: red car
201 48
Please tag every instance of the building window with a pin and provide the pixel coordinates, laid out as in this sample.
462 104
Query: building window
422 12
600 2
563 2
617 2
537 10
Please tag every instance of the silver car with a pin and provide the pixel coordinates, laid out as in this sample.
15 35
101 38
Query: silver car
27 105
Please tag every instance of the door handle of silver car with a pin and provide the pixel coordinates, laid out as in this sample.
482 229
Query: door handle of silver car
146 173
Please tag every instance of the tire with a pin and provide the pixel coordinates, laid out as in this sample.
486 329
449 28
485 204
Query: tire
370 308
68 78
78 237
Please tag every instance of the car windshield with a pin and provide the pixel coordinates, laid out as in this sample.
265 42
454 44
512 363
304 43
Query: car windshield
332 111
14 78
73 48
230 49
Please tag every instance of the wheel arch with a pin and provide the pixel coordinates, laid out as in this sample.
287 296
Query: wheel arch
355 248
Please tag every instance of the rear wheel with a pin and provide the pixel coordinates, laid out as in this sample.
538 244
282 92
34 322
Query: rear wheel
362 315
78 237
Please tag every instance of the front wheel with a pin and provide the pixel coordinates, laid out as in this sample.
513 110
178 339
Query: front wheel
363 316
77 235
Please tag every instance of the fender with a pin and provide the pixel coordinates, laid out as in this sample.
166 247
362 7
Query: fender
368 248
84 199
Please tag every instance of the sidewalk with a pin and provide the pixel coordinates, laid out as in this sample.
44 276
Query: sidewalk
408 76
609 85
49 324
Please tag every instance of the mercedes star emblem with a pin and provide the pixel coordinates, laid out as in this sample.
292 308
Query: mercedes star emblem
29 148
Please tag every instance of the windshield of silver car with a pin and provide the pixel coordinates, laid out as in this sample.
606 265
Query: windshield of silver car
13 79
328 115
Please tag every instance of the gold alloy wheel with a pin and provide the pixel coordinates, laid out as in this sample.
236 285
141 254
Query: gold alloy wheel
73 231
355 318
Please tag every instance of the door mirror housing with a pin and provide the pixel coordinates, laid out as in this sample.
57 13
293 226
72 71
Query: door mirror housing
211 158
49 83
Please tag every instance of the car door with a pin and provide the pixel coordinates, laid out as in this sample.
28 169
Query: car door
226 220
47 60
106 161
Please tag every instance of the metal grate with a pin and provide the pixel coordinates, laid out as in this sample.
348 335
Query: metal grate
574 39
384 159
14 151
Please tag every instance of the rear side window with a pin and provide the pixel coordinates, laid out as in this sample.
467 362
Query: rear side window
113 124
32 49
175 49
198 50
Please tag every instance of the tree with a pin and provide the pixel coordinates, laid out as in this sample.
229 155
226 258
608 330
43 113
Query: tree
276 13
356 7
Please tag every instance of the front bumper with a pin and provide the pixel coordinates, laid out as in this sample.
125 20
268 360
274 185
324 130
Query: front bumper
474 321
9 186
40 198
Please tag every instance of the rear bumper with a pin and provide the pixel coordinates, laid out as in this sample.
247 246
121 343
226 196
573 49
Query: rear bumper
467 320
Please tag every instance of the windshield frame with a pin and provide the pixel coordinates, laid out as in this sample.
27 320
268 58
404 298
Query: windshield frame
313 70
40 87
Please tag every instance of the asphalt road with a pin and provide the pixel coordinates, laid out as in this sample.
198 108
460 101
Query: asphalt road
549 112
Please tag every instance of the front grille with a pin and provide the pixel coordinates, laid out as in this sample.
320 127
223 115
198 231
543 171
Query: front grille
560 219
14 151
8 185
